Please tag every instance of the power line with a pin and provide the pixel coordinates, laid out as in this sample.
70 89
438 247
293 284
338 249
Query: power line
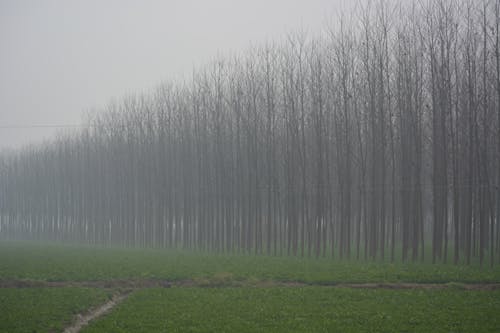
42 126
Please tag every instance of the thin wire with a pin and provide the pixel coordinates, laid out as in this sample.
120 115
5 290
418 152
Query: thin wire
41 126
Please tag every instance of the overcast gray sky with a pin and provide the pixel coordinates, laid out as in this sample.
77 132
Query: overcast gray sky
59 58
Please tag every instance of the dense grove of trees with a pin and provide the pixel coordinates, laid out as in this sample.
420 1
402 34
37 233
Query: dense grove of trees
379 139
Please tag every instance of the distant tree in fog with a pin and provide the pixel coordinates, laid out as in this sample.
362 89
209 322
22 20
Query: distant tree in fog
379 138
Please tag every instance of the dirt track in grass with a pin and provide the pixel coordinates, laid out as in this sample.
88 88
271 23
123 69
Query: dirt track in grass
131 284
83 320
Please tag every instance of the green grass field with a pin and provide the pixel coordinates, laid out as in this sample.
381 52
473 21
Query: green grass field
24 260
44 309
257 305
303 309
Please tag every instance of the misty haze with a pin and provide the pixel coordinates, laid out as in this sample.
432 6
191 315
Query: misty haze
250 166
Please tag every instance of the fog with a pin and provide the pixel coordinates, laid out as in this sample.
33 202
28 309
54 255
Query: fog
260 157
60 59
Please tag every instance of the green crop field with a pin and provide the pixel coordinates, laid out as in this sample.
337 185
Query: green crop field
24 260
44 309
238 293
303 309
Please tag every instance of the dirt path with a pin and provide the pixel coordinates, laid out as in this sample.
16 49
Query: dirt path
131 284
465 286
83 320
107 284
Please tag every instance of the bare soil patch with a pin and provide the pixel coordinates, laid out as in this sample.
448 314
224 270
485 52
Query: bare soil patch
83 320
473 286
131 284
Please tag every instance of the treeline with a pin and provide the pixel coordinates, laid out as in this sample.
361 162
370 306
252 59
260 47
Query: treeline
376 140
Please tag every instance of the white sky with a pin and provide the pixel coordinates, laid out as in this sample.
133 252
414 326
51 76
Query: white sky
59 58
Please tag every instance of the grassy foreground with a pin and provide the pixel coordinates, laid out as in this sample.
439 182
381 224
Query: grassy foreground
44 309
253 307
304 309
26 260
